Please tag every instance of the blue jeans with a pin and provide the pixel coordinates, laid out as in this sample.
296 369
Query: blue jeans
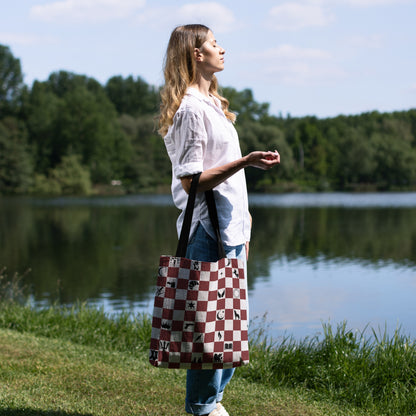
204 388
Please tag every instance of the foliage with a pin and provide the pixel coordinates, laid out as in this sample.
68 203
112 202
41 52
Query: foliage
16 165
112 128
253 136
11 81
68 178
243 103
71 114
149 165
132 96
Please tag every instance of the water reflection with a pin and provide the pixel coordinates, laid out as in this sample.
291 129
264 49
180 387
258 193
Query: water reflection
302 295
361 234
81 251
339 257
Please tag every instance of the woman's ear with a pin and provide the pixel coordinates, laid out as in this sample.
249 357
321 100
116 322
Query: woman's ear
198 55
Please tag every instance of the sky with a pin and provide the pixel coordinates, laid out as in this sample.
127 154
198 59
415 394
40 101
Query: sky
303 57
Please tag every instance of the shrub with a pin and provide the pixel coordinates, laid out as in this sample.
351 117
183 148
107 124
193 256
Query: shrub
68 178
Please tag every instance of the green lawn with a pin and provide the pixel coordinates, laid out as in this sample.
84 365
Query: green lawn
44 376
81 361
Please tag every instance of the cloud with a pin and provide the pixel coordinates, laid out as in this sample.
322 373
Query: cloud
291 65
293 53
295 16
304 73
212 14
25 39
373 3
356 3
86 10
367 42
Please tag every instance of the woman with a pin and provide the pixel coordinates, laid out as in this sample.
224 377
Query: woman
200 137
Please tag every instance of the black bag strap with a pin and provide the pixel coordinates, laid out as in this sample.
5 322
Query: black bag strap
212 209
187 221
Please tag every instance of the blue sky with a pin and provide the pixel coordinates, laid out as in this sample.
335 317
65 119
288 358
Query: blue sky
304 57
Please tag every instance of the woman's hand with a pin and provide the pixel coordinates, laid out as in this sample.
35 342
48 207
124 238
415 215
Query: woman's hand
247 249
263 160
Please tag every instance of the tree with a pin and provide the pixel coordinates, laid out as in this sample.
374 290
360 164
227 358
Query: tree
87 125
258 136
354 160
11 81
62 82
16 168
149 167
312 149
396 161
41 111
71 114
243 103
132 96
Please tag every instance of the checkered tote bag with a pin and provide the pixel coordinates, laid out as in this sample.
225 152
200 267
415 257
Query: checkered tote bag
200 308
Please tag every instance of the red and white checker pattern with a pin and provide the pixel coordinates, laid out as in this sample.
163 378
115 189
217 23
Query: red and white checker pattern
200 314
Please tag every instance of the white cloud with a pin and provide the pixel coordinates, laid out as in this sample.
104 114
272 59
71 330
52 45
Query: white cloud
291 65
295 16
290 52
25 39
356 3
304 73
212 14
373 3
216 15
367 42
86 10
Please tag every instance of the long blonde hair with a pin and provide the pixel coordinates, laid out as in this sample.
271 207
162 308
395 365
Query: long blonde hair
180 72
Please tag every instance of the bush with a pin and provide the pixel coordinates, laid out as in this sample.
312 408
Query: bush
44 185
68 178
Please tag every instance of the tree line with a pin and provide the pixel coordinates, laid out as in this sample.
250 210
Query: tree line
71 135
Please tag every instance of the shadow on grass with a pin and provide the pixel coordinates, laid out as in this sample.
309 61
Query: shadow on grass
38 412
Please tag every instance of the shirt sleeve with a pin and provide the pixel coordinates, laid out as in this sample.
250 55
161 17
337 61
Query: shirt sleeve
190 143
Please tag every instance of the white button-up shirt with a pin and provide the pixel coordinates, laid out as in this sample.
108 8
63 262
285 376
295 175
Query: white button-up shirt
200 138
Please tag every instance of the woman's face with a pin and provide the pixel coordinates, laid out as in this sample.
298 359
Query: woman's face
210 56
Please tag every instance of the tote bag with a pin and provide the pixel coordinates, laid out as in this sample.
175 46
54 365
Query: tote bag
200 308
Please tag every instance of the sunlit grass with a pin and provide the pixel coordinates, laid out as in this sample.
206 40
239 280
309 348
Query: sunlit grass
369 370
51 377
81 324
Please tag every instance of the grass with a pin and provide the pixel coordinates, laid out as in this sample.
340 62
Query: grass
81 361
11 288
43 376
376 373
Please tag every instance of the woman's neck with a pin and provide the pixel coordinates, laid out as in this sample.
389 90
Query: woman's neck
202 84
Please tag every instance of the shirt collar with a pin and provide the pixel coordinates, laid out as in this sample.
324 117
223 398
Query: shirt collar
195 93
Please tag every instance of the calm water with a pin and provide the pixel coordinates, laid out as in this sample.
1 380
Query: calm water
314 257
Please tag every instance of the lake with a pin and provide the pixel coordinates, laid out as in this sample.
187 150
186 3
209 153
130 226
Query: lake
314 258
